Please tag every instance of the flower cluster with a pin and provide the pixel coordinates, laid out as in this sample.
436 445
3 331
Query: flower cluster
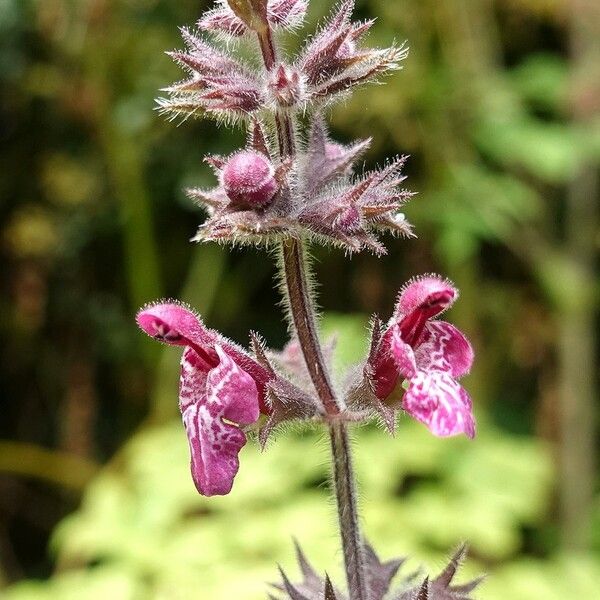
259 198
224 86
224 388
315 192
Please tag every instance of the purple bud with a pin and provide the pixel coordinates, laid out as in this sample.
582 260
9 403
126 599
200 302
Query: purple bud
249 179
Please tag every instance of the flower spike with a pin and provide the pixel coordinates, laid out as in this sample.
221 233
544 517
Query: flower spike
291 183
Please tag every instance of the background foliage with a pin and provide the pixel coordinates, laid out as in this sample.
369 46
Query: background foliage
498 106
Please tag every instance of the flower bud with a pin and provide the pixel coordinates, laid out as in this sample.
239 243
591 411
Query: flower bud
249 179
286 86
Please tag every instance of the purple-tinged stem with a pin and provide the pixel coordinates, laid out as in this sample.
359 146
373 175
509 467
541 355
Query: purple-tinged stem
347 505
285 127
303 317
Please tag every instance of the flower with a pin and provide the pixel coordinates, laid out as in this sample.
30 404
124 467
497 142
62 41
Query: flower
430 355
221 390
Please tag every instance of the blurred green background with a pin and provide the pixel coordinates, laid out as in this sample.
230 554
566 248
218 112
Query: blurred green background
499 107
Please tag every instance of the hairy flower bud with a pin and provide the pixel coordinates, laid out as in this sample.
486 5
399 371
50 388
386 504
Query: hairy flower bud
248 179
286 86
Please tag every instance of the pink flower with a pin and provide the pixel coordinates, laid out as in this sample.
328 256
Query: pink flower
221 389
430 355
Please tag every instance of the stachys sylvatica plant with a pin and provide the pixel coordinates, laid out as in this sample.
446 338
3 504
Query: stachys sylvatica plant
292 185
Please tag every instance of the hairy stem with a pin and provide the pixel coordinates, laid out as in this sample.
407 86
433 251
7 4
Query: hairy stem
304 322
346 498
303 319
283 122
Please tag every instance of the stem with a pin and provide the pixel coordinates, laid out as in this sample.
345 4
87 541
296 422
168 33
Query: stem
346 498
303 318
283 122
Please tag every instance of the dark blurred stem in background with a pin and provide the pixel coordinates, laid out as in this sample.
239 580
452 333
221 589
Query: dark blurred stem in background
53 466
577 343
126 168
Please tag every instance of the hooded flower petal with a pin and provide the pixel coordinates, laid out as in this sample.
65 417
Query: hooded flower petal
430 293
206 399
438 401
173 324
444 348
221 388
